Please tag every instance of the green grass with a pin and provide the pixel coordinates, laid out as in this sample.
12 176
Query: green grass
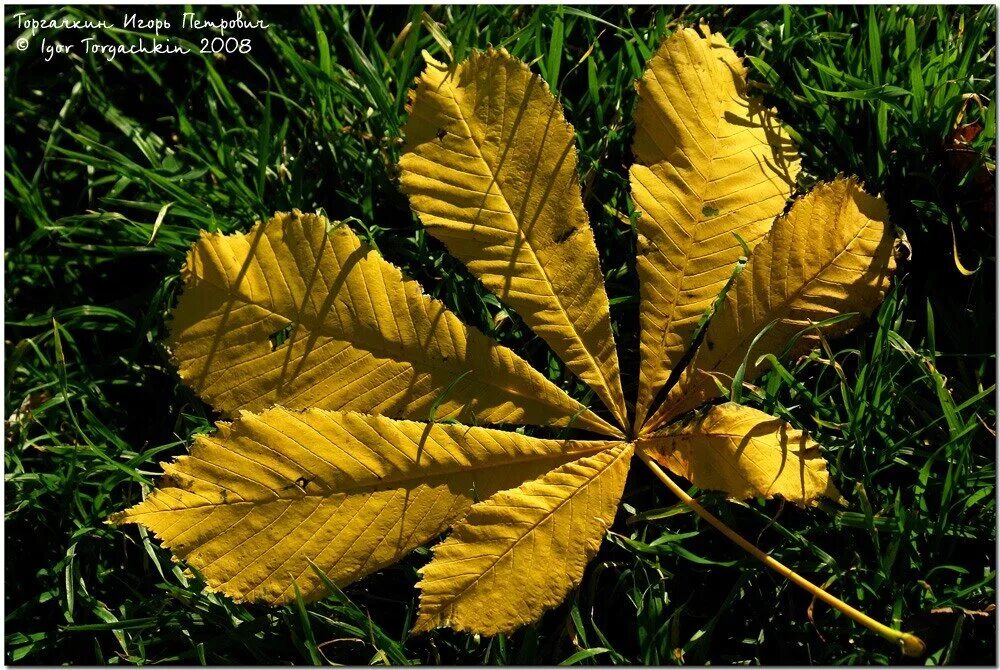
112 168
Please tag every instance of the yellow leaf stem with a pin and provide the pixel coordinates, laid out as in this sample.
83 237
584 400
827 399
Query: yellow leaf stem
910 644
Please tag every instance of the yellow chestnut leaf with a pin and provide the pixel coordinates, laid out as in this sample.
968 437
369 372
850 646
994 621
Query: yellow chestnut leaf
358 336
745 453
490 168
520 552
713 164
831 257
255 502
329 360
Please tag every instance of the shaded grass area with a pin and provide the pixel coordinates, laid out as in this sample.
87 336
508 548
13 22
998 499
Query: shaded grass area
112 168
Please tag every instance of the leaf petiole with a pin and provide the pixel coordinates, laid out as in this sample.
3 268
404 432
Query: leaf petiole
910 644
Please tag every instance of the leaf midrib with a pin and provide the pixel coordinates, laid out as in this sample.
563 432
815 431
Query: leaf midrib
433 364
781 310
576 491
387 484
495 179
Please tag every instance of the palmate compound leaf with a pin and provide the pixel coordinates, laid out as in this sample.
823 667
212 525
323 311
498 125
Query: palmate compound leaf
255 502
359 336
713 164
520 552
830 257
745 453
490 168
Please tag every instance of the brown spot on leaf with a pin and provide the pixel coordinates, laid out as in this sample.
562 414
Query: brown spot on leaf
565 235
